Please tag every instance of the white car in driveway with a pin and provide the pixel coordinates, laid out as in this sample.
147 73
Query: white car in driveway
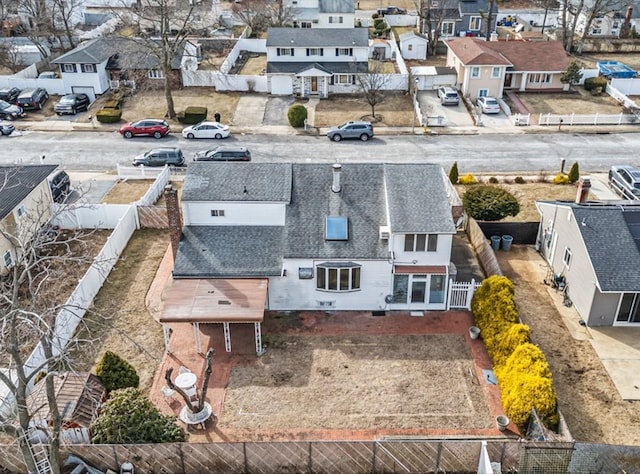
206 130
489 105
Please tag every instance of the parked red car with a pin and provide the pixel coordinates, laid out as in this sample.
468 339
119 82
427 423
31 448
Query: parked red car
147 127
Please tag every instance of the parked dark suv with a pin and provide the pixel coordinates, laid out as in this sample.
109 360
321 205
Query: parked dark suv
9 111
60 185
224 153
160 157
9 94
72 104
31 99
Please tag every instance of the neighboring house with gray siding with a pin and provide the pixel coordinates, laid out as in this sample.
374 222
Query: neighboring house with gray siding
462 17
595 247
315 62
350 237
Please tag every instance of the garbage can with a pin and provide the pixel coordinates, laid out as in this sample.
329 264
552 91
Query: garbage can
495 242
507 240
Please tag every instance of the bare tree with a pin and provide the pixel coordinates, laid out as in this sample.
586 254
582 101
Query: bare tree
29 309
262 14
571 11
63 13
432 15
10 57
41 29
372 84
164 29
597 9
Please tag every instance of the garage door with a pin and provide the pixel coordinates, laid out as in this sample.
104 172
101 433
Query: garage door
281 85
84 90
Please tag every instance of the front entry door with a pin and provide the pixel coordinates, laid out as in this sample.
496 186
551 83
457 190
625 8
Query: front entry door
314 84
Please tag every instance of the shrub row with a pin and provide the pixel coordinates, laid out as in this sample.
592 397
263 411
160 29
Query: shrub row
110 112
521 368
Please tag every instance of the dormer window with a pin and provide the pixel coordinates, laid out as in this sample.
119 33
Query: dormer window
336 228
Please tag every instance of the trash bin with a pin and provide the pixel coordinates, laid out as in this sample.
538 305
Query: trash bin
507 240
495 242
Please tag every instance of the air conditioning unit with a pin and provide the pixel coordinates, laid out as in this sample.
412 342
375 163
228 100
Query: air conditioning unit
326 304
385 232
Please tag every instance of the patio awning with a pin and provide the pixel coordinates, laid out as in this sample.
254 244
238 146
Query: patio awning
214 300
421 269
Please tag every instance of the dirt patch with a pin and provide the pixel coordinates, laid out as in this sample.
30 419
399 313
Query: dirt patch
589 401
394 111
590 61
126 192
120 321
357 382
579 102
527 195
152 104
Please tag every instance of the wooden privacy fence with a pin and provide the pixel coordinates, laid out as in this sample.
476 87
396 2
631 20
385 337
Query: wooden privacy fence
345 457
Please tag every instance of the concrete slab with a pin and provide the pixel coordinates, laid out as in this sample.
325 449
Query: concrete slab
90 187
619 350
250 111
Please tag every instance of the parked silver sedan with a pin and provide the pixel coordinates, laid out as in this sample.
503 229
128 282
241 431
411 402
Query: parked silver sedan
489 105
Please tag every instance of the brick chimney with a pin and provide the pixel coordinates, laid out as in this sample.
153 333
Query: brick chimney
173 217
584 186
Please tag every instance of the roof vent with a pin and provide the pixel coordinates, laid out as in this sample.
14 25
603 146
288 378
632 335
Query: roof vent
385 232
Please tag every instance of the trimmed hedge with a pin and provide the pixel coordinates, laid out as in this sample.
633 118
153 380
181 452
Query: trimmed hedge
521 368
592 83
490 203
109 115
193 115
296 115
467 179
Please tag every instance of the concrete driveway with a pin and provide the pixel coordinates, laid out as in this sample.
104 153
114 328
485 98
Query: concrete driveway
454 115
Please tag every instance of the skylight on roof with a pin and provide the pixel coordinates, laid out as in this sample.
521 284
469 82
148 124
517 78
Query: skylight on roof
337 228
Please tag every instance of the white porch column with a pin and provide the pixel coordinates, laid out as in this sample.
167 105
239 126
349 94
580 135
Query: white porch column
227 337
325 87
523 81
258 331
166 331
196 335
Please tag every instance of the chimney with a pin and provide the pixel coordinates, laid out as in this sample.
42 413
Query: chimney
584 186
335 187
173 217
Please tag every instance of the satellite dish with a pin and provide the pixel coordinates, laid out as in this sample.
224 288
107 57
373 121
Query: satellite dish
388 299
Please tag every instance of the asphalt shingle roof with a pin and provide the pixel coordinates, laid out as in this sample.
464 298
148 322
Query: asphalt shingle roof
17 182
473 51
317 37
614 254
416 196
331 67
229 251
206 181
337 6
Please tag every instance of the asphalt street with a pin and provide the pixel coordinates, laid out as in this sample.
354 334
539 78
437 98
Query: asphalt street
479 154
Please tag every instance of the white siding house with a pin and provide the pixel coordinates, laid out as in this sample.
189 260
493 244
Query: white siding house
323 13
315 61
351 237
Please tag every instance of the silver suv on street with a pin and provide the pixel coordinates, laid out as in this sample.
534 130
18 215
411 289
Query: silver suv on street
448 96
361 130
625 181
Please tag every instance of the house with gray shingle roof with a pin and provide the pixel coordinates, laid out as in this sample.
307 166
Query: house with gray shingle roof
25 200
323 13
487 68
317 61
91 66
595 248
344 237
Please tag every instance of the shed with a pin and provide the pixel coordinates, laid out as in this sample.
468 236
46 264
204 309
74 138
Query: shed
380 49
413 46
432 77
615 69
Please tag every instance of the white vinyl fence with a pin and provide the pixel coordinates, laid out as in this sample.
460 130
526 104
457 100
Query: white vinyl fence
461 293
155 190
587 119
88 216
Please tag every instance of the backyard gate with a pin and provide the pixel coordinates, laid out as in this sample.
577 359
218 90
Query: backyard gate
460 294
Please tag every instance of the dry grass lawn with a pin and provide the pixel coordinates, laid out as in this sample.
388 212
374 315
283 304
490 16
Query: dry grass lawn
151 103
581 102
394 111
255 66
589 61
126 192
527 195
357 382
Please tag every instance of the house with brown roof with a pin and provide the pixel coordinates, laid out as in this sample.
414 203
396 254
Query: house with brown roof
488 68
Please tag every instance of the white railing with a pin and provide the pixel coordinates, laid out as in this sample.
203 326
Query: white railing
155 190
113 84
587 119
521 119
461 293
146 172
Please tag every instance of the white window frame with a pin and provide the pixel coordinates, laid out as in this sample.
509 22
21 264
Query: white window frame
21 211
448 28
343 52
88 68
323 280
343 79
155 74
496 72
315 51
409 47
336 19
421 242
217 212
475 72
306 24
475 23
7 259
566 257
69 68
